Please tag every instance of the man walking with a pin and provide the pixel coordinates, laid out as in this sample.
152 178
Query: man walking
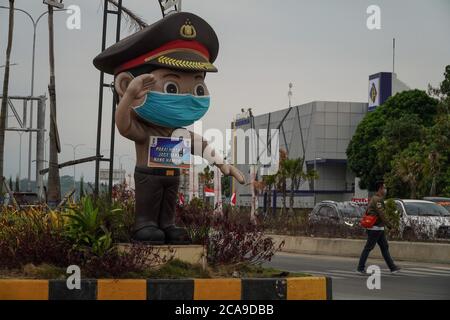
377 234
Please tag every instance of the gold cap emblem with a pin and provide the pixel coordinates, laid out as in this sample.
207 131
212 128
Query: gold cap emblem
187 30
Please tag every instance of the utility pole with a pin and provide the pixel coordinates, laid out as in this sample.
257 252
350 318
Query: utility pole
34 23
54 187
4 106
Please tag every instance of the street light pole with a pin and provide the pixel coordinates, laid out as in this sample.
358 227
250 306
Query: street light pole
20 155
74 158
290 94
254 154
315 196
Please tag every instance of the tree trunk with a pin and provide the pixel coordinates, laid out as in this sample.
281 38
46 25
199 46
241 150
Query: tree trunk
54 188
413 190
4 106
291 197
433 187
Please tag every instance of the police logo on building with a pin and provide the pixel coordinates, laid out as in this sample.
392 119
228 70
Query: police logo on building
373 93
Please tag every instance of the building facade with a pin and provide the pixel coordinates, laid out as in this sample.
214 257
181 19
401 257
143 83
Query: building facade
321 131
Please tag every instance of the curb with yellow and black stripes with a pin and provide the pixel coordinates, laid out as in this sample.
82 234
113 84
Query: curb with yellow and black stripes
305 288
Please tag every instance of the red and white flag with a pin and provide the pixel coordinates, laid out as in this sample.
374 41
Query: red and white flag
209 192
233 199
181 199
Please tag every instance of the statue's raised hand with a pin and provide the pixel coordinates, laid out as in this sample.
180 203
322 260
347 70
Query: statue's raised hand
229 170
139 87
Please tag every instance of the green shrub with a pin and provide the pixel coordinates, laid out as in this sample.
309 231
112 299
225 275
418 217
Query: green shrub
393 217
85 228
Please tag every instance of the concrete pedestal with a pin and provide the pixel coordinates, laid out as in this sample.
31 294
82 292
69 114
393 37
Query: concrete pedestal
194 254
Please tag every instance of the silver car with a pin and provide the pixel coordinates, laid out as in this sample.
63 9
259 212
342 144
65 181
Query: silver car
420 218
343 213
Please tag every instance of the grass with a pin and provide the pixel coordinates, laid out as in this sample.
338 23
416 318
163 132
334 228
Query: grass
249 271
174 269
30 271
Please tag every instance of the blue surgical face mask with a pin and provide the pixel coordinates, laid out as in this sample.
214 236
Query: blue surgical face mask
173 110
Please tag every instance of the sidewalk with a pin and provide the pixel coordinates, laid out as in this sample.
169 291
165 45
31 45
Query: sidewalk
401 250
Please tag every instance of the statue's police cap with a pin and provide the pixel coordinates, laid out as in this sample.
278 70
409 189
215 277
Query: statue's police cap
181 41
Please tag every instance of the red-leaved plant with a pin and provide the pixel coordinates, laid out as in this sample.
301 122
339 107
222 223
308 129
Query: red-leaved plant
230 240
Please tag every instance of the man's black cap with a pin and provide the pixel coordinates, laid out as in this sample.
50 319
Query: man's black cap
181 41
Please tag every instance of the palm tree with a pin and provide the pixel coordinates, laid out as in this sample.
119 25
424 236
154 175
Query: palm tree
408 170
294 171
269 182
311 175
282 179
297 176
5 91
433 166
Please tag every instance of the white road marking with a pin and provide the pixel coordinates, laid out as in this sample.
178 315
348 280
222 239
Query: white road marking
410 272
334 275
324 274
425 271
383 273
442 268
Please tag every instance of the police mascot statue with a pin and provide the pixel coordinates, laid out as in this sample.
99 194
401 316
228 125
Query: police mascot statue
159 78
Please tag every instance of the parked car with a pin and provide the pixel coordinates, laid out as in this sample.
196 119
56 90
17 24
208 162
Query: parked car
420 218
445 202
342 213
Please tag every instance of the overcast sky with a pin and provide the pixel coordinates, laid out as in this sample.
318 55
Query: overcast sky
323 47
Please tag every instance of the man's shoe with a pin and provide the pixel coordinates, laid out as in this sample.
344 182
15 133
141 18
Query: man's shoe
361 272
395 270
177 236
150 235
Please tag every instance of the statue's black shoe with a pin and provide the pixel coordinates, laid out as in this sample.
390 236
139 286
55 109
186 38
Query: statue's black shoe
150 235
177 236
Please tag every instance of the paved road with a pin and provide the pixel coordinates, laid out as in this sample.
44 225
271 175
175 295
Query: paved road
415 281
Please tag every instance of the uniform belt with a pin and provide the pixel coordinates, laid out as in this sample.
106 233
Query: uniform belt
159 171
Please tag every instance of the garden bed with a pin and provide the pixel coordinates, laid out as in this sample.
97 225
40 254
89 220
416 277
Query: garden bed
174 269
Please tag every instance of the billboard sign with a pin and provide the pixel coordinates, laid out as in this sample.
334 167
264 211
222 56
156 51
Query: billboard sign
374 93
380 89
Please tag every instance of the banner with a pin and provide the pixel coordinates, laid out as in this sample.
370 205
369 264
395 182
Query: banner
167 152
